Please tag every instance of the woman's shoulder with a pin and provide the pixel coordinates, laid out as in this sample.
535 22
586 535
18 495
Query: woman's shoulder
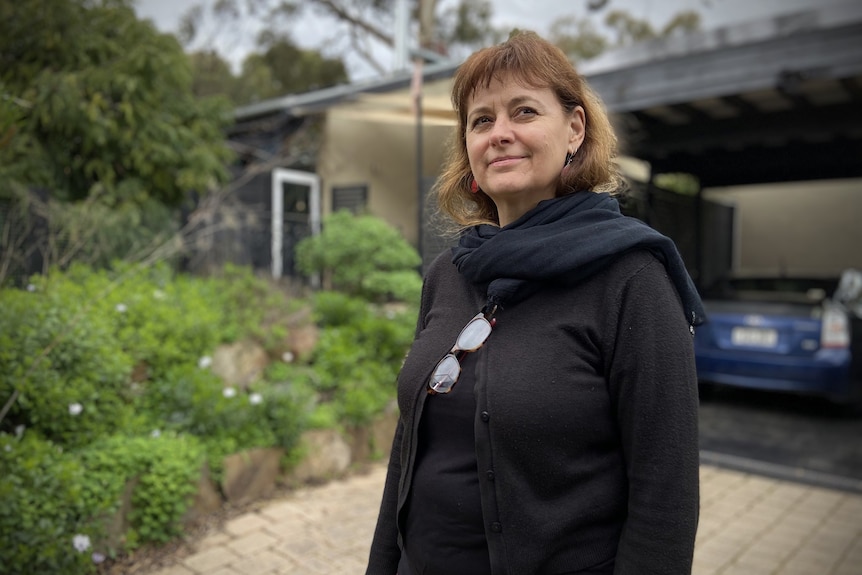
640 263
441 266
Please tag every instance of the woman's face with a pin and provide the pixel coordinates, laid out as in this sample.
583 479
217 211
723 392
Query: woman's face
517 139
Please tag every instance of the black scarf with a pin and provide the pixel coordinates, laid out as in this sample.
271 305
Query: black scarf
565 239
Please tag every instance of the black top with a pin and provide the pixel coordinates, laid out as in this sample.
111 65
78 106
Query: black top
586 412
444 531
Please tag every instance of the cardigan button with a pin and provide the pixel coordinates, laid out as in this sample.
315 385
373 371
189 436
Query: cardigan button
490 475
485 416
496 527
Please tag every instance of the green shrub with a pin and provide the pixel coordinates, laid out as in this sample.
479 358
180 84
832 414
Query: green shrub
358 355
404 285
337 309
50 496
112 393
363 256
163 469
226 419
286 410
69 369
88 430
43 507
251 305
168 320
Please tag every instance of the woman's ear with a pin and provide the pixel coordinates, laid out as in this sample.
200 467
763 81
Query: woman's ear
577 127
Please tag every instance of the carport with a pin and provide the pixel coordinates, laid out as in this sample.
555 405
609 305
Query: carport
776 100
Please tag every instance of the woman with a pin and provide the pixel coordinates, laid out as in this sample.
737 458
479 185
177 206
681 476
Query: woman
558 433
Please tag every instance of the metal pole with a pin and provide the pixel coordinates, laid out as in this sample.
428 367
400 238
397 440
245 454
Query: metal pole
402 31
420 192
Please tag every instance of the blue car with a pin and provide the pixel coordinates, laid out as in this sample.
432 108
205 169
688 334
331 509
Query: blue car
794 335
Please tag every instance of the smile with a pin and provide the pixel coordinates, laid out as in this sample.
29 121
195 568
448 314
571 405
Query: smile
505 160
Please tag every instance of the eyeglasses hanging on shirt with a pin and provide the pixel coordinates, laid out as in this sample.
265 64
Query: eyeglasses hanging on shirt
471 338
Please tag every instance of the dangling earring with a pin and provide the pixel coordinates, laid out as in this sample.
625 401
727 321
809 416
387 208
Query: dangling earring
569 157
474 185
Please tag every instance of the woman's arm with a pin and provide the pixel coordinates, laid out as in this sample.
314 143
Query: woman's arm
384 555
654 380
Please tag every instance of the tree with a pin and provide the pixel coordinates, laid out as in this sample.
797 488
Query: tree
581 39
211 75
360 27
94 102
629 29
297 70
468 26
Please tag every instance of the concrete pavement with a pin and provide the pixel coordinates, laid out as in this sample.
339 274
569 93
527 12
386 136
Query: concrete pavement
750 525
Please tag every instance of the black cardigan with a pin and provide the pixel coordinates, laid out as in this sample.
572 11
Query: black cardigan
586 414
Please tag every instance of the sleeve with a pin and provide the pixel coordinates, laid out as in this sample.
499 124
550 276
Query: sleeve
654 380
385 553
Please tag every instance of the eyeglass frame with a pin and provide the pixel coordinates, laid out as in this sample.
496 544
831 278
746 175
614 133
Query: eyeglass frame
486 315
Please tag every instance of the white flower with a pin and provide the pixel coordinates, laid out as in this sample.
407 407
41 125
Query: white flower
155 433
159 294
81 542
121 307
31 287
98 558
75 408
255 398
228 392
287 357
205 362
19 430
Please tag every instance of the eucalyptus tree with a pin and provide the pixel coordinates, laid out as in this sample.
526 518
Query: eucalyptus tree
101 136
94 101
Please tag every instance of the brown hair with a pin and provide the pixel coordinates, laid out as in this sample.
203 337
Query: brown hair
538 63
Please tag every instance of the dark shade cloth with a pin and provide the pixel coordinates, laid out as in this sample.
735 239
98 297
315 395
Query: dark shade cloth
565 239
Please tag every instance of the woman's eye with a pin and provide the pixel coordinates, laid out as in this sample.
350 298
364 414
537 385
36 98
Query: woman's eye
480 121
526 111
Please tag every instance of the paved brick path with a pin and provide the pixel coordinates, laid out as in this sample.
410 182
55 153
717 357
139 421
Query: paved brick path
750 525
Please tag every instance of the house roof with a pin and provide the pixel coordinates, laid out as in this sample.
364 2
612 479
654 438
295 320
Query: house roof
319 100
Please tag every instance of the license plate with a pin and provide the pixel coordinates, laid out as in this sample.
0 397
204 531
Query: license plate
754 336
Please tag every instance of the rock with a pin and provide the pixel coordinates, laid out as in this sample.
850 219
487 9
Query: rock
240 363
301 340
374 441
117 524
383 430
207 500
251 474
327 455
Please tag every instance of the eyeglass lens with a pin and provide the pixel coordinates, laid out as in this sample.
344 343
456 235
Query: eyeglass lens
473 335
445 374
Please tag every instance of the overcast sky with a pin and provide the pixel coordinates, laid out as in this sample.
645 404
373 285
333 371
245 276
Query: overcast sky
315 32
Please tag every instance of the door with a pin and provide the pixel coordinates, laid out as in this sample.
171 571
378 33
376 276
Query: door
295 215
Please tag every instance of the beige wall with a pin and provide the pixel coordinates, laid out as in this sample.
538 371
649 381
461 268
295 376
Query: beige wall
802 227
372 142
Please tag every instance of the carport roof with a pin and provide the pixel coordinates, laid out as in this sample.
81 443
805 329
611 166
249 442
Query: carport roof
764 101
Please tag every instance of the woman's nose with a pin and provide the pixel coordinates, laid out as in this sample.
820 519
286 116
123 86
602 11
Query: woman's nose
501 133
